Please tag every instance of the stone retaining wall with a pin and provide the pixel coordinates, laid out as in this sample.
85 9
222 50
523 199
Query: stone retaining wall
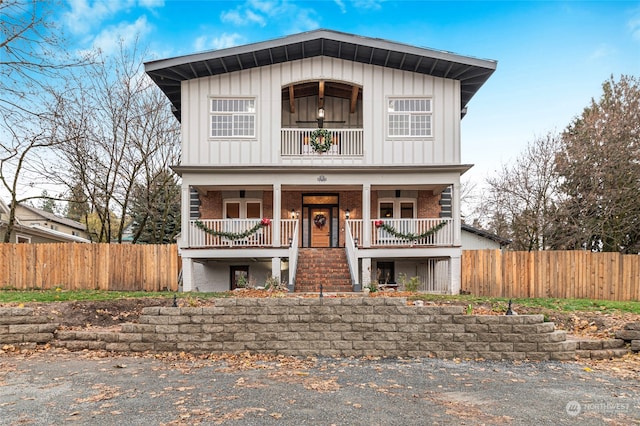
18 326
328 327
334 327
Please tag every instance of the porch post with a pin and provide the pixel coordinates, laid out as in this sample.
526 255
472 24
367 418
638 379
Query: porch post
455 274
366 217
275 268
455 212
186 216
187 274
366 272
277 207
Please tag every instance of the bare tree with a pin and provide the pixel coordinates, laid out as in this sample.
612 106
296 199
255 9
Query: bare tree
121 133
32 59
520 202
599 165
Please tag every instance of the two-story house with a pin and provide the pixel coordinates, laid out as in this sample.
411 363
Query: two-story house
321 158
33 225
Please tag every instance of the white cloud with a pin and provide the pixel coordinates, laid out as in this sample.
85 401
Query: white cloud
368 4
262 12
84 15
634 27
125 34
341 5
602 51
225 40
242 17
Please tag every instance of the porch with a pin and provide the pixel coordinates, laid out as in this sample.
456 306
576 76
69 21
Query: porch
236 233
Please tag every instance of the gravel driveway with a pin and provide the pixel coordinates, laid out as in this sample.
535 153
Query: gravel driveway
80 388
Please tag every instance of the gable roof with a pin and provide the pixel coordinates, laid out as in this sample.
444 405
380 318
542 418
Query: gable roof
55 218
471 72
485 234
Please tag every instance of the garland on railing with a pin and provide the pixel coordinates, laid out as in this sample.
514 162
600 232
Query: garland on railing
410 236
233 235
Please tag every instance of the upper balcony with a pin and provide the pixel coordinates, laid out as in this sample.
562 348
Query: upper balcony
343 142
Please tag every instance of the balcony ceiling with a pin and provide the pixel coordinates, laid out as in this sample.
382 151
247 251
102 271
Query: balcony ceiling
471 72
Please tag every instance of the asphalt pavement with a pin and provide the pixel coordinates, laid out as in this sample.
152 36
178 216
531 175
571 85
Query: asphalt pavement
49 388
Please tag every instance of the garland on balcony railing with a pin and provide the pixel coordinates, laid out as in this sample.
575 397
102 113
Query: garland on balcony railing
410 236
233 235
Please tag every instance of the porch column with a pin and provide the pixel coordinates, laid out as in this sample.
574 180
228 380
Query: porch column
187 274
186 216
366 219
455 212
455 274
275 268
366 272
277 207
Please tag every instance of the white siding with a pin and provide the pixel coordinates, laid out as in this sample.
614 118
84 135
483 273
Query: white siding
265 84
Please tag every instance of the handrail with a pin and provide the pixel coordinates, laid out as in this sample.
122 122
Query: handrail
352 255
293 257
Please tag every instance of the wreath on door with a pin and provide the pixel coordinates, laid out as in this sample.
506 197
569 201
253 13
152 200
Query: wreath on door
320 220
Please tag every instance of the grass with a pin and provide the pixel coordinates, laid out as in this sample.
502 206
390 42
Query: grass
565 305
61 295
495 303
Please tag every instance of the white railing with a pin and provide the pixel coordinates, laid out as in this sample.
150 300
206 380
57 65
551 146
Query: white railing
415 227
293 256
381 237
352 254
344 142
230 233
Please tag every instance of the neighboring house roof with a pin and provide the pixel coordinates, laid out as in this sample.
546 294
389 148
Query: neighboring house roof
57 234
23 227
471 72
486 234
57 219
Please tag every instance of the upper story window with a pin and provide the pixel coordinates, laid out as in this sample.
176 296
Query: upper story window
233 117
409 117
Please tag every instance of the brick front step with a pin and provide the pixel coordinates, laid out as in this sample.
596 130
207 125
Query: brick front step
326 266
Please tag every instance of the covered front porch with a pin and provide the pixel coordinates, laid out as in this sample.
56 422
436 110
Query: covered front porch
268 225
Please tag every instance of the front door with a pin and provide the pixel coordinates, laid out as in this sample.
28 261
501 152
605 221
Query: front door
320 227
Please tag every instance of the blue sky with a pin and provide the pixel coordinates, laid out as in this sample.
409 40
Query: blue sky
553 56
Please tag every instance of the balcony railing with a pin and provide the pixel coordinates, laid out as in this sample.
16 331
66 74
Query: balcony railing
344 142
262 237
406 227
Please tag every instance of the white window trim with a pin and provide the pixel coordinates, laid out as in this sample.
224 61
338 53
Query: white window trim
231 113
397 202
243 206
428 113
24 237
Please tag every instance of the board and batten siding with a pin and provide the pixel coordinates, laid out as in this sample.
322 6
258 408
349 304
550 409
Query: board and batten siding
265 84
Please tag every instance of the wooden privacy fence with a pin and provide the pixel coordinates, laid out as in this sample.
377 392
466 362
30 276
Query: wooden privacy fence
73 266
555 274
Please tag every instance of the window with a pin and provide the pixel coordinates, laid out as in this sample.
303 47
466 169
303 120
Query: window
398 209
409 117
233 118
243 209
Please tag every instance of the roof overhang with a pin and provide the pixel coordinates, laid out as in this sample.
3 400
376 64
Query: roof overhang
456 168
472 73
